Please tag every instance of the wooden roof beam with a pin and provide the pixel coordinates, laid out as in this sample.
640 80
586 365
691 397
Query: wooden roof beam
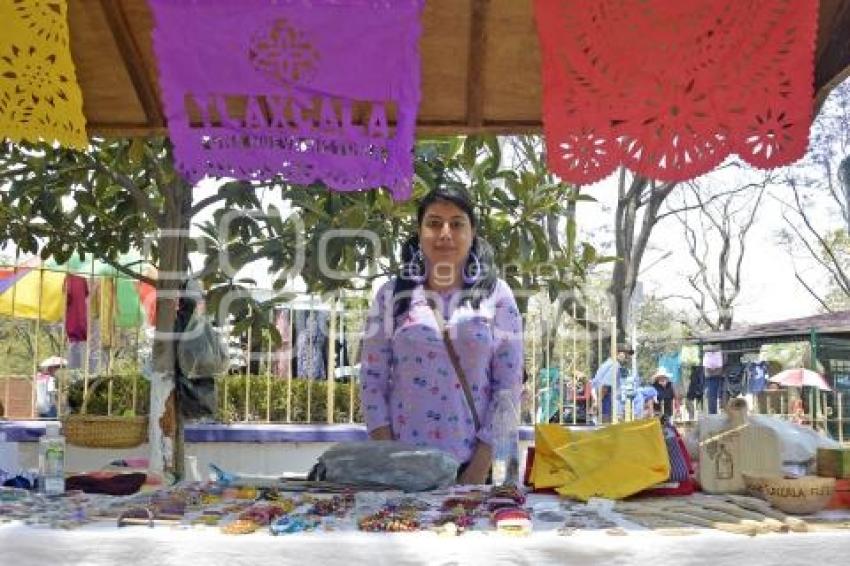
832 66
475 88
133 62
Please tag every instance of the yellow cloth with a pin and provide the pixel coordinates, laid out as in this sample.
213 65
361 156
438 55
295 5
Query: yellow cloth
613 462
39 95
22 300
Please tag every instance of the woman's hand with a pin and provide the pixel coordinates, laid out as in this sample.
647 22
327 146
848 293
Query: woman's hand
382 433
474 475
479 466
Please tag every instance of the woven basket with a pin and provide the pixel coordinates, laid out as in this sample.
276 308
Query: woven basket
105 432
799 496
94 431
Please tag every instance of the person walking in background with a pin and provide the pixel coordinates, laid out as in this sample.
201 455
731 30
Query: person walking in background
665 403
603 380
46 387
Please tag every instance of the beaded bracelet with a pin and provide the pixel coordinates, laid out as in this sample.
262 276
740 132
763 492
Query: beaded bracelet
386 521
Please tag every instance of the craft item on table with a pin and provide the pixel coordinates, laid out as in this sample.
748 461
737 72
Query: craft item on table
368 502
13 494
209 517
799 496
741 446
495 503
230 493
702 511
753 504
169 507
292 524
270 494
468 504
841 498
136 516
106 483
263 514
833 462
770 524
338 505
411 502
240 527
235 507
549 511
582 517
393 464
19 482
512 521
389 521
246 493
454 520
222 477
509 491
210 499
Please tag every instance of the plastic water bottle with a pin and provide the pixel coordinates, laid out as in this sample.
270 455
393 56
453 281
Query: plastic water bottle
505 440
51 461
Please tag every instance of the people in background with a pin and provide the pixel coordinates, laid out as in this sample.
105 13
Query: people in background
666 399
712 363
643 404
46 390
603 381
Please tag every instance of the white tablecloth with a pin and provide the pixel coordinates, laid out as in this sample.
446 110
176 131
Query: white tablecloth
104 544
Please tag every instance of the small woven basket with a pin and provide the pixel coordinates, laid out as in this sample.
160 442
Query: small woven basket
799 496
105 432
93 431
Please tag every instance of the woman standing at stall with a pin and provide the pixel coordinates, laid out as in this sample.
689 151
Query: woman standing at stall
442 338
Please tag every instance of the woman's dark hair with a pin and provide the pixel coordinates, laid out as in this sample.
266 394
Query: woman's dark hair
411 257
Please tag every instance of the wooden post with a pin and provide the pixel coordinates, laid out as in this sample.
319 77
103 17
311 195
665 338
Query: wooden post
136 373
616 372
585 388
331 362
289 368
534 401
90 333
248 356
351 378
35 342
573 367
562 375
547 342
269 374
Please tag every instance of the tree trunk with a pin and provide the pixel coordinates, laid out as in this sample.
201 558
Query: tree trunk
165 427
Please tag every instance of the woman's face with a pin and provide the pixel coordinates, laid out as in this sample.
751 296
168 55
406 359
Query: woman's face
445 236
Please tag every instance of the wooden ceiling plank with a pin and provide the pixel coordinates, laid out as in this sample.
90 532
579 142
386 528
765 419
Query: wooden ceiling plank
133 61
832 66
475 63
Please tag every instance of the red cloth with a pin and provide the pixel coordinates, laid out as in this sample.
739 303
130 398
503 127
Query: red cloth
669 88
76 316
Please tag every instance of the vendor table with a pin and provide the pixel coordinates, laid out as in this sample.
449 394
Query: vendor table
163 545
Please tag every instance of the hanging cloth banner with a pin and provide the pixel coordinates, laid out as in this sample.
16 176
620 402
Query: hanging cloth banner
40 99
257 89
669 88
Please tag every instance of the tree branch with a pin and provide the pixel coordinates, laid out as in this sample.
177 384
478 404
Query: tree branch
811 292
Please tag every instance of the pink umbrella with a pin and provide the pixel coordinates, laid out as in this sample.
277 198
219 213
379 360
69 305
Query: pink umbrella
799 377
